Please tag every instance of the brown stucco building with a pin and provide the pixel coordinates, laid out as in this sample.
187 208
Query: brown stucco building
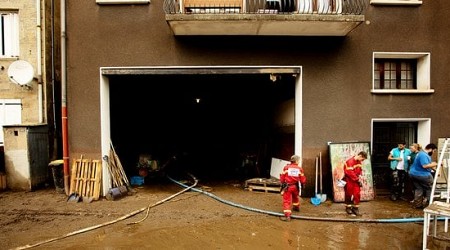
167 79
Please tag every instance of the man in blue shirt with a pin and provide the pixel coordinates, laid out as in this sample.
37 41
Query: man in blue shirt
399 164
422 178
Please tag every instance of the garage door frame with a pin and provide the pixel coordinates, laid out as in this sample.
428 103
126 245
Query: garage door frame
106 72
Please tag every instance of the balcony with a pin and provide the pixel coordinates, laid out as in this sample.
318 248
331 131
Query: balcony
264 17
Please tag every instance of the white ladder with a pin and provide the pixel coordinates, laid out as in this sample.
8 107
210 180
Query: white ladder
438 208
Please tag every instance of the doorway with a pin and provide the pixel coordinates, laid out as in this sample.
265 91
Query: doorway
386 136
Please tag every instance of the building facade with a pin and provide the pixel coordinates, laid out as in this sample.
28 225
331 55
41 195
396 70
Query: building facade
219 83
29 72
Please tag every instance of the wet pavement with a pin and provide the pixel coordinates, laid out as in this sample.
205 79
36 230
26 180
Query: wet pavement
217 216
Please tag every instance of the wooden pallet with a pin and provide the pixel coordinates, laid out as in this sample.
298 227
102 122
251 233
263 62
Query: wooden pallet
261 184
86 178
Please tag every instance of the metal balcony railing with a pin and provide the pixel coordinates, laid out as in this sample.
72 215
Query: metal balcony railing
322 7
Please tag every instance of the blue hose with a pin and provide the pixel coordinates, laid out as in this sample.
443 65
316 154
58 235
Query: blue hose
392 220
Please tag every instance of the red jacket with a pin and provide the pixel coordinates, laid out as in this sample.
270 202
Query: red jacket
352 169
292 173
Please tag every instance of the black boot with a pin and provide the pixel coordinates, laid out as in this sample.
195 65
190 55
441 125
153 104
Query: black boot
393 197
417 204
355 211
349 210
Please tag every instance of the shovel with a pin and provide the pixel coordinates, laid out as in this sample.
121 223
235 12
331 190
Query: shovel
323 197
73 197
316 199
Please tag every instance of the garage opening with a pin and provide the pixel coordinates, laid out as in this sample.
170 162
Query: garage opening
215 126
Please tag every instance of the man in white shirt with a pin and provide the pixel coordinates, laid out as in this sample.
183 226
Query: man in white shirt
399 165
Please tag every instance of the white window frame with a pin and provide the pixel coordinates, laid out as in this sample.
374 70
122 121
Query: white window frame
423 128
122 1
422 77
9 34
395 2
10 114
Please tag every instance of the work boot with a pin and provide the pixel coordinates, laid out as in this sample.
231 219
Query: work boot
355 211
393 197
285 218
417 204
349 210
403 198
425 202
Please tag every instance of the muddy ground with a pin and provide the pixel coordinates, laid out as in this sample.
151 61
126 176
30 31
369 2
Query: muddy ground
219 215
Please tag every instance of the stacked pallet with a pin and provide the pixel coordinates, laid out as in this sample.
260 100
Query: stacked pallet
262 184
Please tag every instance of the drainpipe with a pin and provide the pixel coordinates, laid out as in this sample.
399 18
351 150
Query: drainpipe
55 136
63 98
39 60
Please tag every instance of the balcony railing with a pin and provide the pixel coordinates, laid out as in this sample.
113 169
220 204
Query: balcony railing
322 7
264 17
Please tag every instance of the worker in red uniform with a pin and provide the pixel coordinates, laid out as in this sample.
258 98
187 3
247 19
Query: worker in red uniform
292 178
353 171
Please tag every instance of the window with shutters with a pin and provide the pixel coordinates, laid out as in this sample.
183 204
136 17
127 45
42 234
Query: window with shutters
9 34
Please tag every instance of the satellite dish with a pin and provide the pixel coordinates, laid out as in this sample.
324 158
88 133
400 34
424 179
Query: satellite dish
21 72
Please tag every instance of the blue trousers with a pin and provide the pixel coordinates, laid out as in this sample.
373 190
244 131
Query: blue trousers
422 187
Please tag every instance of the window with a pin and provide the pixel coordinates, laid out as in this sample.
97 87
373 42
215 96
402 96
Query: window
395 74
396 2
9 34
401 72
10 114
122 1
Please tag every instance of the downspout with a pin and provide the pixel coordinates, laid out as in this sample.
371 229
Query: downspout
39 59
55 134
63 98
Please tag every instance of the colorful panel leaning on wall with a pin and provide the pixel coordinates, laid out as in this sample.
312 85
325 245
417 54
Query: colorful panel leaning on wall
339 153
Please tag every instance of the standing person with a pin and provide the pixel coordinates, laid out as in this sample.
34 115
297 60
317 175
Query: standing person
430 149
414 148
399 164
353 171
291 178
422 178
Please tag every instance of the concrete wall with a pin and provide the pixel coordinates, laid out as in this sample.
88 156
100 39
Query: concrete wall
337 71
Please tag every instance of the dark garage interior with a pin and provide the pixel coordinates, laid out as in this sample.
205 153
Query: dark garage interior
216 127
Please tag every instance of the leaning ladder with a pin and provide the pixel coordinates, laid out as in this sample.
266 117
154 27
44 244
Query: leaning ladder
441 190
439 208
